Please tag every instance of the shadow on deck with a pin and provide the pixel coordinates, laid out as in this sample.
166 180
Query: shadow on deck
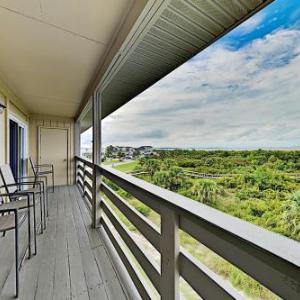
72 261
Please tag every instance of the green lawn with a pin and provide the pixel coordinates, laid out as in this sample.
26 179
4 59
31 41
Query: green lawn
110 161
127 167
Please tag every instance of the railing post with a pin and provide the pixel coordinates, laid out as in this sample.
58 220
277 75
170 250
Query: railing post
96 160
96 197
169 254
84 165
75 170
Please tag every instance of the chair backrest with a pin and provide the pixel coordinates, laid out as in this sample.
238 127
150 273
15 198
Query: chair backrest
8 178
2 190
32 166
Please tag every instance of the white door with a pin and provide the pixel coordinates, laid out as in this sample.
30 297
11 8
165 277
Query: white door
54 150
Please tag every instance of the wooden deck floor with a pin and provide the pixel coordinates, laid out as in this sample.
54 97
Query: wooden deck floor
72 262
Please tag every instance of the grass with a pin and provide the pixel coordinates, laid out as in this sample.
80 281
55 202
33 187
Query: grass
110 161
127 167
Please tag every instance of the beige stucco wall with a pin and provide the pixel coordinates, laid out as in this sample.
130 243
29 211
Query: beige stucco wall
50 121
14 107
17 109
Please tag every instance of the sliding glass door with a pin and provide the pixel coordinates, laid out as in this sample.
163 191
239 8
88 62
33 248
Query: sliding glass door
17 148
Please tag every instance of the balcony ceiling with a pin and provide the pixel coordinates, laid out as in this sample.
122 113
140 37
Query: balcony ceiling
171 33
49 50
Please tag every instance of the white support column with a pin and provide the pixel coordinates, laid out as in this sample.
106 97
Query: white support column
77 137
169 254
96 159
76 146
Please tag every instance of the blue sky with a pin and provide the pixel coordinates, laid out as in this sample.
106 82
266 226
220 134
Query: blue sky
243 91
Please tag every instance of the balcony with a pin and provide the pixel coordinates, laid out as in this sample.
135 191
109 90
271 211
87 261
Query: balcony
72 261
269 258
67 76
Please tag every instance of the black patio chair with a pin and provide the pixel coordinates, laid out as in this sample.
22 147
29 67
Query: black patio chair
34 187
42 170
12 219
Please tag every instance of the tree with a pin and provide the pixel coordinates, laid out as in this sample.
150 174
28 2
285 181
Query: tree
109 151
172 180
205 191
296 197
151 166
168 163
120 155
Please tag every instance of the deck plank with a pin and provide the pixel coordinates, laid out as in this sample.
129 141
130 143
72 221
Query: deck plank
72 262
78 283
93 277
61 275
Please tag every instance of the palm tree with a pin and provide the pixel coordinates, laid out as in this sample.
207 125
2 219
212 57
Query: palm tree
151 166
205 191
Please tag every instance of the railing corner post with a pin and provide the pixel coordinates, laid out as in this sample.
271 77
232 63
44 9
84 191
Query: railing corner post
169 254
96 214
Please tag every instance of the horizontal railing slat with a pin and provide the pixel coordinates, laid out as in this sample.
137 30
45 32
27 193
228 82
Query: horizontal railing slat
136 218
80 175
134 274
88 186
204 281
255 261
80 185
138 193
88 196
138 253
88 174
86 162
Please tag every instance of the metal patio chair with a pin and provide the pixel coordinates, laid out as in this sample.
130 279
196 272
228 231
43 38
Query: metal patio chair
37 188
11 219
43 170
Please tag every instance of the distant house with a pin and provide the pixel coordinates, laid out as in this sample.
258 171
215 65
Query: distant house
145 150
131 152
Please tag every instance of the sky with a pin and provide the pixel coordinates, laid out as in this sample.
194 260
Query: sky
241 92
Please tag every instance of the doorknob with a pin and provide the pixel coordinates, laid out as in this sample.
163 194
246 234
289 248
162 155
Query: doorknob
65 159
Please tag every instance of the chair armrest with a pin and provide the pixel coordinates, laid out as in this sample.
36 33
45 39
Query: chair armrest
39 183
38 167
15 195
32 177
7 210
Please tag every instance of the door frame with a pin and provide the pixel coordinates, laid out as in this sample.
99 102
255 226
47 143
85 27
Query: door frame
39 145
13 117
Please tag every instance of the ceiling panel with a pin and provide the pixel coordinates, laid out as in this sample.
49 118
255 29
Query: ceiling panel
28 7
50 50
95 19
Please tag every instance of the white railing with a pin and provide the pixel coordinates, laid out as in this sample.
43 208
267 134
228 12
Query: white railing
270 258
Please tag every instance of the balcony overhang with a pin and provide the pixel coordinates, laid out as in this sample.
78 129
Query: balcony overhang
167 34
54 58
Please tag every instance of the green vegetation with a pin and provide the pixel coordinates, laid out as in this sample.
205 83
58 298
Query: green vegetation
110 161
261 187
127 167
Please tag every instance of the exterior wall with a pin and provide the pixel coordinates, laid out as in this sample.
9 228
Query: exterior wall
50 121
15 108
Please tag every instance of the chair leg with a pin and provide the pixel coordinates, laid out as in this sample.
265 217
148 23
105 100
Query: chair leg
52 181
17 255
41 212
47 201
29 232
34 228
44 204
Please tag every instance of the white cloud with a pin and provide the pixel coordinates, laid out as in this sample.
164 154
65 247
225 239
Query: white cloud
251 24
223 97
